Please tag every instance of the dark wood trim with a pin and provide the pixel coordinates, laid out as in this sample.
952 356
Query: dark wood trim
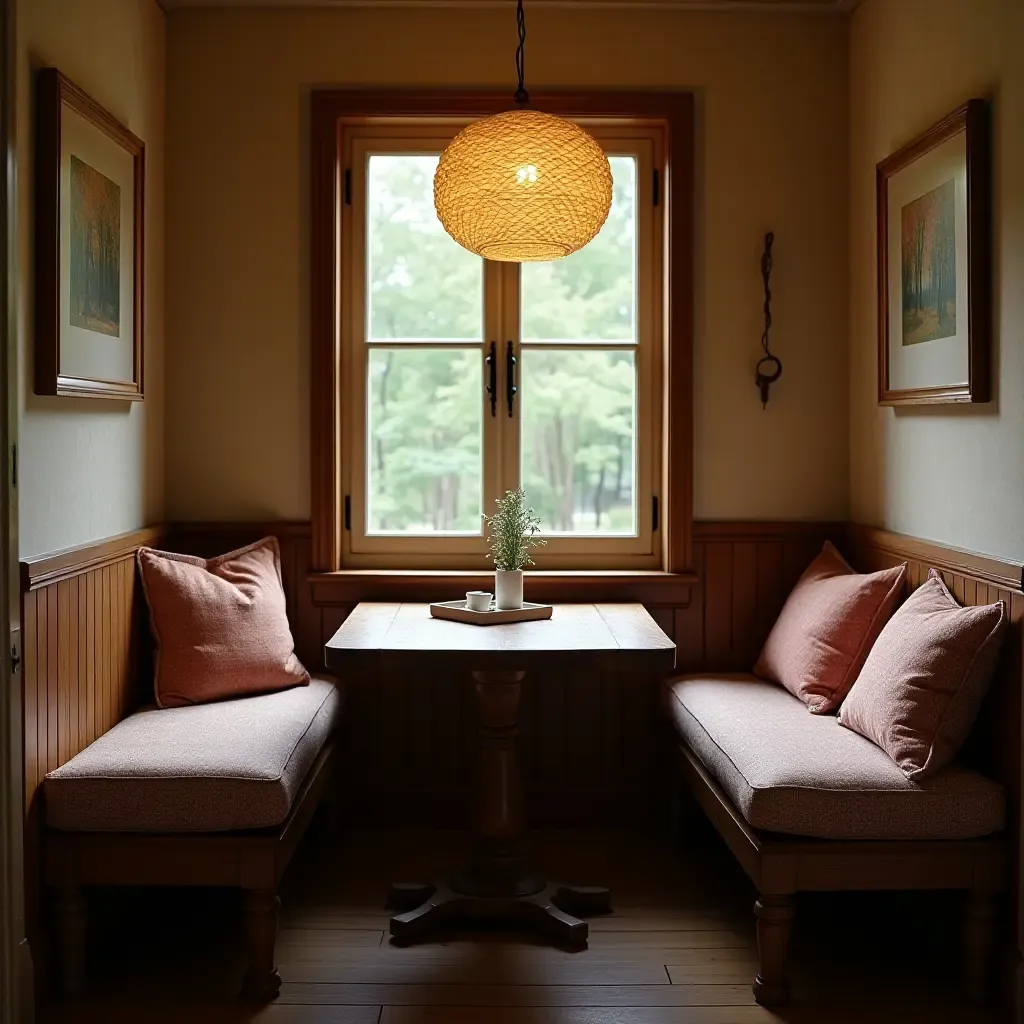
333 108
351 586
42 570
996 572
325 367
973 119
760 529
53 93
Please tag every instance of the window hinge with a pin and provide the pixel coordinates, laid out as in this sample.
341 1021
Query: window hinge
15 639
14 466
654 513
656 188
348 512
348 186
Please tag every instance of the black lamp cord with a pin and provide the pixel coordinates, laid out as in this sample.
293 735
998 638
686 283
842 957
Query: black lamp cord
522 96
769 367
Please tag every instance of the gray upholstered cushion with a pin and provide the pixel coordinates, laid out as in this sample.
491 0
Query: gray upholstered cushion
789 771
235 764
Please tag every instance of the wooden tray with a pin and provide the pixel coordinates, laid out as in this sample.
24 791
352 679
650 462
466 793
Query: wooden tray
458 612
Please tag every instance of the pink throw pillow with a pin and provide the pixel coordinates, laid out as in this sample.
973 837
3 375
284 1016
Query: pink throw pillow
826 628
923 682
219 625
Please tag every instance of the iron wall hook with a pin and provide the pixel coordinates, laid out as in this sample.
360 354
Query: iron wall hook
769 366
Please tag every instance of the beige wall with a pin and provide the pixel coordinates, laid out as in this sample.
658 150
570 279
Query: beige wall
90 469
947 474
771 154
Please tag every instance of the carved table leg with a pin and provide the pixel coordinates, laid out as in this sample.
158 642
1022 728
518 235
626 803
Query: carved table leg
774 922
69 910
496 887
980 942
499 822
262 982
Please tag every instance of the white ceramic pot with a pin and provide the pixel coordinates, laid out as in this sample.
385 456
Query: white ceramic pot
508 589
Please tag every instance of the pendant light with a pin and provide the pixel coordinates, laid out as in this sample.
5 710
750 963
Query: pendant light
523 185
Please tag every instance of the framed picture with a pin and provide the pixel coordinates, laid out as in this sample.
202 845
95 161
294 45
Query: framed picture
934 279
90 173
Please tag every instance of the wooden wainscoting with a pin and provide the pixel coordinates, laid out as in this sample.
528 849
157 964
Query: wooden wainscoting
84 667
587 743
81 648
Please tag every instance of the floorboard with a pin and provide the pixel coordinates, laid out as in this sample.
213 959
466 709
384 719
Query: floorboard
680 947
524 993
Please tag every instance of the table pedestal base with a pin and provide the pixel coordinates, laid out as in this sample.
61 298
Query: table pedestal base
496 888
548 907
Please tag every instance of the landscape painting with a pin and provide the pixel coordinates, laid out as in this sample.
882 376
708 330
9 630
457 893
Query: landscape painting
928 245
95 250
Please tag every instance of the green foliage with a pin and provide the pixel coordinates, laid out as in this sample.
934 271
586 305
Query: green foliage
426 405
423 453
512 532
578 433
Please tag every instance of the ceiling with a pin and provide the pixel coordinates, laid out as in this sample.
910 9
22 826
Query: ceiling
780 6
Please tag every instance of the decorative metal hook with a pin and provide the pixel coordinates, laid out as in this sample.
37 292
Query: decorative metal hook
769 366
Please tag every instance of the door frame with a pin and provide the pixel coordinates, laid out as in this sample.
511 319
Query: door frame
16 974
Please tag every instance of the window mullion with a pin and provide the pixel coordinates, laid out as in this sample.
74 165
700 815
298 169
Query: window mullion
506 277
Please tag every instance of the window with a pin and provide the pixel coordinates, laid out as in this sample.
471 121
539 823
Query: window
452 378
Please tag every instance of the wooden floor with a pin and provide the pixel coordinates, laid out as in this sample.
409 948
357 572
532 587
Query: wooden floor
679 948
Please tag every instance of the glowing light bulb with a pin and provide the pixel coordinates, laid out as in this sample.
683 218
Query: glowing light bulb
526 173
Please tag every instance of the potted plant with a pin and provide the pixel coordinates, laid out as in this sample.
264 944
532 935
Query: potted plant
511 532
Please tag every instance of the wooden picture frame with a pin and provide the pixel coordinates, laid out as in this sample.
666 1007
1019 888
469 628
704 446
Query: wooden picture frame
934 264
90 231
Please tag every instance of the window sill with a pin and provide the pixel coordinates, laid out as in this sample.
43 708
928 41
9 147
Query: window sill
350 586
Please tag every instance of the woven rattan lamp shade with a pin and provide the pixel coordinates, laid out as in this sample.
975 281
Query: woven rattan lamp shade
523 186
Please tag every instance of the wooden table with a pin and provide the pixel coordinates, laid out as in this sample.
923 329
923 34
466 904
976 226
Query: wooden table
404 639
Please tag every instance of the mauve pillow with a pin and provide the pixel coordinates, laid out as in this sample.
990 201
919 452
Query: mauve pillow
219 625
923 682
826 628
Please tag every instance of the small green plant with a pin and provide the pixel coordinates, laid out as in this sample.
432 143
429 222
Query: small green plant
512 531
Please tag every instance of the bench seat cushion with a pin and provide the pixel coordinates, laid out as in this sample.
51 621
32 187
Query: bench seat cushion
788 771
235 764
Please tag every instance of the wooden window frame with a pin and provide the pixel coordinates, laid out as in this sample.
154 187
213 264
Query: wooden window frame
331 109
500 306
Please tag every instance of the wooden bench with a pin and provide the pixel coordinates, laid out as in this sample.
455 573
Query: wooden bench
965 835
88 674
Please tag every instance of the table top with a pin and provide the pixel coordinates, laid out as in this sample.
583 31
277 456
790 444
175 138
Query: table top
610 636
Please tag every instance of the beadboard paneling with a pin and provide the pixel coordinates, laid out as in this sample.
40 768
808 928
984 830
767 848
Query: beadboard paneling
85 666
80 613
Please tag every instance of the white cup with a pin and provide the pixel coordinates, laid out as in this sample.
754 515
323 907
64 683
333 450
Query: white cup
478 600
